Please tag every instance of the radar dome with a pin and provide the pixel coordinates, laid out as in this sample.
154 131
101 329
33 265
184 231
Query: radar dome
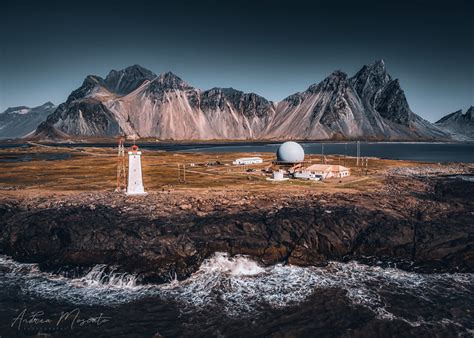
290 152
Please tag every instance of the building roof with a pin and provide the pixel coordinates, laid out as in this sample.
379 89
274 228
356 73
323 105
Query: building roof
248 158
326 168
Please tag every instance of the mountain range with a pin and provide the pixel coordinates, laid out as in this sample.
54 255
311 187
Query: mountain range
20 121
136 102
459 125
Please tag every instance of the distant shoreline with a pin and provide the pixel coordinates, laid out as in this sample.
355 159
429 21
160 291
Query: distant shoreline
113 140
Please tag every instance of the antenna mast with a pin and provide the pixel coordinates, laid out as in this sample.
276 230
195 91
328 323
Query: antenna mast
121 171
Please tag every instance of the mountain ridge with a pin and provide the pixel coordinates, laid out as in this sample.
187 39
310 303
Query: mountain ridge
135 101
21 121
458 124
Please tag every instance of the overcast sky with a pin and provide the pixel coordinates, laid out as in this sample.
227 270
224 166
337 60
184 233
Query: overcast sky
271 48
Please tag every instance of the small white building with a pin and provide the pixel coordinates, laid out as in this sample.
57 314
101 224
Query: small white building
135 180
307 175
323 171
277 176
248 160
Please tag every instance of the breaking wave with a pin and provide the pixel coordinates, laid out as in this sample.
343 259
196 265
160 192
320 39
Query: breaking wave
238 286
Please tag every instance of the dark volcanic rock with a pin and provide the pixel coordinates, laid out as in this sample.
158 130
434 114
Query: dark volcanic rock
392 104
127 80
87 117
428 228
167 82
248 104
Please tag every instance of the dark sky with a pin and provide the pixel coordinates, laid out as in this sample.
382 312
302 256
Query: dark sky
268 47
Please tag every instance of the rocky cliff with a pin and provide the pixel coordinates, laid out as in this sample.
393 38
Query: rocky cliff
420 223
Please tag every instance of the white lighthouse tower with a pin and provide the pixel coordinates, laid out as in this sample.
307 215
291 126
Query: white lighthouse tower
135 181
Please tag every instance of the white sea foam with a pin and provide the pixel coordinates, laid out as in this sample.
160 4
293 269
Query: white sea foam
239 286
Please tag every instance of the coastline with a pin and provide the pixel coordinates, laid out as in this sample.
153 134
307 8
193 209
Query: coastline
422 223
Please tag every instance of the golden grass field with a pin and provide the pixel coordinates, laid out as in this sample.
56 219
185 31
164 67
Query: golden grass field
94 169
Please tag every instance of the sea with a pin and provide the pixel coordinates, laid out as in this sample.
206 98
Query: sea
235 296
436 152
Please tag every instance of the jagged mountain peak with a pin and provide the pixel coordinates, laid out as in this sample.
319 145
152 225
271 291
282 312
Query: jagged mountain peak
458 116
226 90
460 126
449 116
229 91
376 68
127 80
48 104
336 76
168 81
335 81
134 69
139 69
169 77
377 65
370 78
470 113
93 79
90 84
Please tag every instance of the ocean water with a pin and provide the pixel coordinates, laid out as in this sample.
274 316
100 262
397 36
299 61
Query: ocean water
237 296
426 152
416 151
28 157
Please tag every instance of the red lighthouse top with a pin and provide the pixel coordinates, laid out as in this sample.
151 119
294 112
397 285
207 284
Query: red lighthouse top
134 148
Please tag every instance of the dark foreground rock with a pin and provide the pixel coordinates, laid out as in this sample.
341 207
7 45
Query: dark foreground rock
422 223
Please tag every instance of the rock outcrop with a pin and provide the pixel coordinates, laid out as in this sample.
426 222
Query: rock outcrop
421 223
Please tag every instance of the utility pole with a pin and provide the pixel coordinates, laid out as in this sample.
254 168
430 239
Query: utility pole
358 152
345 152
184 173
322 152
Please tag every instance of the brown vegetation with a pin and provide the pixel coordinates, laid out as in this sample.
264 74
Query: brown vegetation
94 169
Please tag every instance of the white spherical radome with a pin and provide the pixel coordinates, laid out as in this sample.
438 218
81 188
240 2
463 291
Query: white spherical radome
290 152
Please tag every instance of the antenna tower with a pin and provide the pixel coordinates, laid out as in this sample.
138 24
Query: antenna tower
121 171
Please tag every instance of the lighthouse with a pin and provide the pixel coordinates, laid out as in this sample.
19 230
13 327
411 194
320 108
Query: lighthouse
135 181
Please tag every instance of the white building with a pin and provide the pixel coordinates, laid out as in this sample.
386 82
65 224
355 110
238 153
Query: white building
135 181
307 175
248 160
278 176
324 171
